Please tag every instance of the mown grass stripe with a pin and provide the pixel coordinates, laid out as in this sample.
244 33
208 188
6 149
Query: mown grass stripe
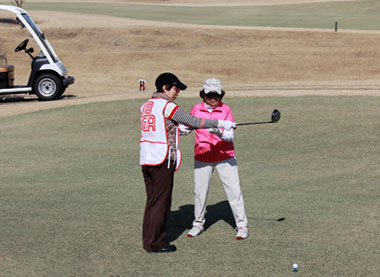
360 15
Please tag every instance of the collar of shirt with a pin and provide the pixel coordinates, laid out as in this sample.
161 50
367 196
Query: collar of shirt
162 96
211 109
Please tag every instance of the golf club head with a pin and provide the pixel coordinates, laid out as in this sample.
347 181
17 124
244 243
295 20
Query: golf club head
276 115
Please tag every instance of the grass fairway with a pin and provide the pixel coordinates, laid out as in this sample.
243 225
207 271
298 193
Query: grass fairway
360 15
72 195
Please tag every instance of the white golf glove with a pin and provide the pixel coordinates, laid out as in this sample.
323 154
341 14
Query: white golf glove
184 130
227 125
215 131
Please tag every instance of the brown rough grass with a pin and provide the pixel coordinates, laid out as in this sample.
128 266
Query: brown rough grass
120 56
113 59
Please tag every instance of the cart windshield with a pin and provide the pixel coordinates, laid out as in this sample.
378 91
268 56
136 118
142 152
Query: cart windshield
40 35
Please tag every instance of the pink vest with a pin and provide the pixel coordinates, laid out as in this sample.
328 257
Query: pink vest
209 147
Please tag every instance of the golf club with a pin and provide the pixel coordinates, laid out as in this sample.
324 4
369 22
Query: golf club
276 115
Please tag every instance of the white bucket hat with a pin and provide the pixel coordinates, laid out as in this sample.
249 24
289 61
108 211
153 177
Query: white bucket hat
212 85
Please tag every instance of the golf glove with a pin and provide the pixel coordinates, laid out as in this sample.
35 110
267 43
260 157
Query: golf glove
227 125
215 131
184 130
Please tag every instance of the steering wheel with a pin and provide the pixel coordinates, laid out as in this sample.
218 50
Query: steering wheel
22 45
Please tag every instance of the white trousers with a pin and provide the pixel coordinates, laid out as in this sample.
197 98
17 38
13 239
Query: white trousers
229 176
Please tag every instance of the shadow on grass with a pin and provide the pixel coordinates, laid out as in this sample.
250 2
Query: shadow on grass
181 220
9 98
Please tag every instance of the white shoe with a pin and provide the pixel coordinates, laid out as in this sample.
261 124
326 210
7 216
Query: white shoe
242 233
195 231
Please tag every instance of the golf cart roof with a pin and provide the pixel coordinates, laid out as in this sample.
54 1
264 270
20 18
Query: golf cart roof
27 22
13 9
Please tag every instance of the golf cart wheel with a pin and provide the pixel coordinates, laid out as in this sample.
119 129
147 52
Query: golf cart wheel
47 87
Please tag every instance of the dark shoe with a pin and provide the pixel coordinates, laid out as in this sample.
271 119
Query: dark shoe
167 249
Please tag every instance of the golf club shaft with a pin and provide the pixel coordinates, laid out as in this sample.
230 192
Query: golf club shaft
276 115
253 123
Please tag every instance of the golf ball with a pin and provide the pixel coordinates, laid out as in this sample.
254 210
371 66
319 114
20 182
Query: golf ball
295 266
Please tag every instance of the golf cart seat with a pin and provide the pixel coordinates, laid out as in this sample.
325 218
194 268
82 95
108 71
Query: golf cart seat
6 76
6 68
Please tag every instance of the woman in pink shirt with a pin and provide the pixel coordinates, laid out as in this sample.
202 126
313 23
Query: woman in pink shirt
214 149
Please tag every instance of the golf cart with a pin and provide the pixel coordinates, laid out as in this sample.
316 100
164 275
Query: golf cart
48 78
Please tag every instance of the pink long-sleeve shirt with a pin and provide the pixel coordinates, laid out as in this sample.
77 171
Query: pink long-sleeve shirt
209 147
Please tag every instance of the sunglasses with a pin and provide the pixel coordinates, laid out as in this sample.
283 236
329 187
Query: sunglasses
212 95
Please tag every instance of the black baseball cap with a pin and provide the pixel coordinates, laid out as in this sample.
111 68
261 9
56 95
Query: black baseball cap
168 78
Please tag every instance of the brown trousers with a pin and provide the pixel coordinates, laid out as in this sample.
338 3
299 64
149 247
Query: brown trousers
159 186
